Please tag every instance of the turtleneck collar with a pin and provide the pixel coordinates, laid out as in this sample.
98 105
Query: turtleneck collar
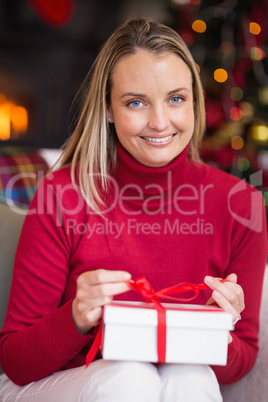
130 172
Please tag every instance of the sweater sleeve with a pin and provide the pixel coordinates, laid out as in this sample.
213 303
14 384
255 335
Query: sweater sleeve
248 260
39 336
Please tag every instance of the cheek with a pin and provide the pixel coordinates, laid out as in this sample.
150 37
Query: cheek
128 125
185 120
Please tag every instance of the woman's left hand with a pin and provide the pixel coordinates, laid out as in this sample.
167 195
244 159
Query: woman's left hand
228 295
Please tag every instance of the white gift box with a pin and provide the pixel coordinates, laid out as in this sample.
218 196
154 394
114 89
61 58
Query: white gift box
194 334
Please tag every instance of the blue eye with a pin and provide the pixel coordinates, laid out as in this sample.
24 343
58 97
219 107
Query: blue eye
135 103
176 99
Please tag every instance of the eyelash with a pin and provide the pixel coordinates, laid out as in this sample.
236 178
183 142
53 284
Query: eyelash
134 101
180 98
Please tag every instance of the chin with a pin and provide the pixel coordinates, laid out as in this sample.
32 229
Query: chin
156 164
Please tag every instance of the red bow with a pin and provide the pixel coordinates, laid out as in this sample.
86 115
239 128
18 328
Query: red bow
142 286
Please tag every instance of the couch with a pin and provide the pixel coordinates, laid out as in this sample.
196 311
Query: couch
252 388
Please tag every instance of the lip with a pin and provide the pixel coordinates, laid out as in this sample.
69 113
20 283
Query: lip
158 144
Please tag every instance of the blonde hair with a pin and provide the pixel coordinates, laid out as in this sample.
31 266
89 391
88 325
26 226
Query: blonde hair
93 142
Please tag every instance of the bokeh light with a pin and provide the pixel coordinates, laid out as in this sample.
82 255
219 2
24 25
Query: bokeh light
13 119
236 93
19 118
236 113
243 164
257 53
199 26
220 75
248 111
259 132
220 13
5 122
254 28
265 195
263 95
227 47
237 142
231 14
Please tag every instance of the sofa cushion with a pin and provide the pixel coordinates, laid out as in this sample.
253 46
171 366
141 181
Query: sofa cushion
20 171
11 224
254 386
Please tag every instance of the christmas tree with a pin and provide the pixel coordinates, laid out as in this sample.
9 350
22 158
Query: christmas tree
228 40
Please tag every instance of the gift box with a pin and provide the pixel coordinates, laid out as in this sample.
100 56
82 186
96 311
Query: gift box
193 334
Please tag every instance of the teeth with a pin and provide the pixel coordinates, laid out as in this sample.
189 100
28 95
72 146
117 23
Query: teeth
158 139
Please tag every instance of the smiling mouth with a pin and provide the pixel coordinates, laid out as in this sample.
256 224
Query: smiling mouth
158 140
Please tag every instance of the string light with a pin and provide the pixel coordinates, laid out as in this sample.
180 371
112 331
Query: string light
237 142
259 132
257 53
199 26
236 113
227 47
265 195
263 95
254 28
220 75
243 164
236 94
248 111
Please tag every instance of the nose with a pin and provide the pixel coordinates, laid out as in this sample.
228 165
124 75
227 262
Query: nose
158 118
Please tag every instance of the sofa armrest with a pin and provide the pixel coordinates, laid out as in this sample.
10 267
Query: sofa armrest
11 224
254 387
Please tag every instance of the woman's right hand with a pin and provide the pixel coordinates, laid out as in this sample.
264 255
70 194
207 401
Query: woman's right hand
94 289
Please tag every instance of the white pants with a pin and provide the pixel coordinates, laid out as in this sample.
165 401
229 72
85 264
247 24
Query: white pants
109 381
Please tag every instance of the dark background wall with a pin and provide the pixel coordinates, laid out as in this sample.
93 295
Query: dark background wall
46 53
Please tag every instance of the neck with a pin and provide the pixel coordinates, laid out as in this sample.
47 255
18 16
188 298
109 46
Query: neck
149 180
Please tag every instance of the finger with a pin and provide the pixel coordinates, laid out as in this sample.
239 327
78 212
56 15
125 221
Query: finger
225 304
232 278
103 276
86 319
230 290
94 316
90 318
84 305
101 291
210 301
228 295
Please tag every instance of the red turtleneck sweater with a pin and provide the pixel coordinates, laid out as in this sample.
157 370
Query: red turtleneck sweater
172 224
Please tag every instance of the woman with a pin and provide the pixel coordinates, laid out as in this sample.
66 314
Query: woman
132 198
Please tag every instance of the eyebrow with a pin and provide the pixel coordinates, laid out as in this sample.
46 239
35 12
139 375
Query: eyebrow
135 94
178 90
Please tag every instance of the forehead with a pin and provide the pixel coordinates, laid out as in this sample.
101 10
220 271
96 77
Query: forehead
145 68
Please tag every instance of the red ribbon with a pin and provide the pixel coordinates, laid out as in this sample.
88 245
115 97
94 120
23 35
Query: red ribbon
142 286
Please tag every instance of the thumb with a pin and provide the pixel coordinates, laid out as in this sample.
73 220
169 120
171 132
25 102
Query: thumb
232 278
